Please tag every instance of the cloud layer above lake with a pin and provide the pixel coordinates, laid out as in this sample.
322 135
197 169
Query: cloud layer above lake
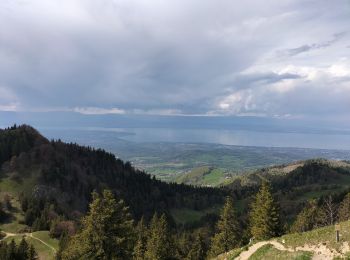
271 58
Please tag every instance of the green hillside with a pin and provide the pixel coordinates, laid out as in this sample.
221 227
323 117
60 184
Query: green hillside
204 176
318 242
294 184
46 187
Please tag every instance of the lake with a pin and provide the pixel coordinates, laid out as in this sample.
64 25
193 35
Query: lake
94 135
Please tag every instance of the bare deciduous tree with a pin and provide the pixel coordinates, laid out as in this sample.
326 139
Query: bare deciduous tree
329 211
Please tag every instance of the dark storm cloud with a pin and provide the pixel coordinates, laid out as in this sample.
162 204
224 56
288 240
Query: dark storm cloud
173 57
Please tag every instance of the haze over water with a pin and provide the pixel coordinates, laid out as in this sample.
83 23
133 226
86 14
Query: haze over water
226 137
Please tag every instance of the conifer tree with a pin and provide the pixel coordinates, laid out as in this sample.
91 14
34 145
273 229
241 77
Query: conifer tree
11 250
227 230
107 231
22 250
307 219
264 216
344 208
141 242
184 243
158 243
63 243
198 249
32 255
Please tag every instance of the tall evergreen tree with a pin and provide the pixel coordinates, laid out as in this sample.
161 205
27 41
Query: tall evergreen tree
64 239
141 242
308 218
107 231
198 249
184 243
32 254
227 230
22 250
264 216
344 208
11 250
158 243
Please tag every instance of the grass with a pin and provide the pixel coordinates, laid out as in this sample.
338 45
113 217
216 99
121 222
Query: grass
13 227
7 184
185 216
44 235
214 177
269 252
324 235
44 252
10 187
194 176
14 224
203 176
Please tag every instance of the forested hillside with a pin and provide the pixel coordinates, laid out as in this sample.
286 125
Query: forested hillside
294 184
66 174
46 188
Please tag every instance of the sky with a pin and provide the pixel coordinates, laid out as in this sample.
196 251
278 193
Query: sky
272 58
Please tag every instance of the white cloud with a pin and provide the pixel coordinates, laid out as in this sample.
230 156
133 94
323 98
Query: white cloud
9 107
97 110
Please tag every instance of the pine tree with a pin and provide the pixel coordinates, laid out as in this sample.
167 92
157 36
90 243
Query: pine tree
184 243
141 243
344 208
107 231
64 239
264 215
32 255
22 250
3 250
307 219
11 250
158 243
227 230
198 249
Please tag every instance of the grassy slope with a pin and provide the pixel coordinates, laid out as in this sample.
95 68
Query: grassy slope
185 216
12 188
268 252
322 236
44 252
203 176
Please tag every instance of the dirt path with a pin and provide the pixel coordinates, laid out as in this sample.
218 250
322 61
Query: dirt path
31 236
8 235
320 252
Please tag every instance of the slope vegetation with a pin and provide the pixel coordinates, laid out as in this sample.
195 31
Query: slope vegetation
315 244
66 174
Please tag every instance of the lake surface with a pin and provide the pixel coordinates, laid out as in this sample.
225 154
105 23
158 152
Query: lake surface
226 137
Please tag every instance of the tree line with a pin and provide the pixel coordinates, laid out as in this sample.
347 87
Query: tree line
109 232
22 251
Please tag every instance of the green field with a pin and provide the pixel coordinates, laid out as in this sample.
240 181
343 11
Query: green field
189 163
186 216
45 246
